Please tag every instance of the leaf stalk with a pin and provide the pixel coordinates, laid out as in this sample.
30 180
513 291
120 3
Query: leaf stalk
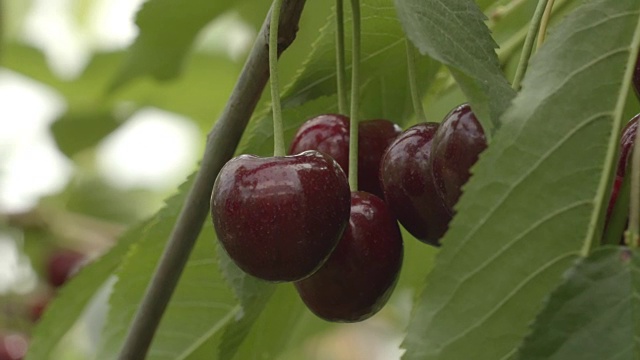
413 82
340 59
527 49
542 32
355 97
278 131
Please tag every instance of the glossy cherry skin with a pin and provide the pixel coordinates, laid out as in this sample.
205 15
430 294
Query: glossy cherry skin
456 146
627 140
374 136
62 265
279 218
407 181
13 346
361 273
329 133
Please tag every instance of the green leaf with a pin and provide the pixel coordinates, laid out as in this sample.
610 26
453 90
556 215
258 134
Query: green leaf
69 303
79 130
201 306
384 89
200 93
167 31
192 95
538 193
594 314
283 312
254 295
28 61
454 33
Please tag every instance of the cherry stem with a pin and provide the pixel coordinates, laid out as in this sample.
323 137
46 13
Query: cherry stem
278 132
542 32
340 59
413 82
527 49
220 147
633 234
508 48
355 97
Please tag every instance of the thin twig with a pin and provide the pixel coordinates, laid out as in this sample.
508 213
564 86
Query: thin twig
221 144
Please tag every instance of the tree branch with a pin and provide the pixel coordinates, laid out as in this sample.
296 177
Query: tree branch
220 147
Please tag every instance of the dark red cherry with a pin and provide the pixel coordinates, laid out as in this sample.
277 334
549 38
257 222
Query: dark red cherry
36 307
627 140
374 136
62 265
13 346
279 218
407 181
329 133
362 271
456 147
626 145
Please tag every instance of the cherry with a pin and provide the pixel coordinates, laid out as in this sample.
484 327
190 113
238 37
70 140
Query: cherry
13 346
374 136
37 306
62 265
279 218
329 133
362 271
627 140
407 181
455 148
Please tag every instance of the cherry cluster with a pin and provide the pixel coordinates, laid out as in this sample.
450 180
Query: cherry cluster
60 266
293 218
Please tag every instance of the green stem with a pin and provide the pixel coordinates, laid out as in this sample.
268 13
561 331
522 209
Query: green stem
508 48
528 44
355 97
413 82
633 234
220 147
278 132
340 59
542 32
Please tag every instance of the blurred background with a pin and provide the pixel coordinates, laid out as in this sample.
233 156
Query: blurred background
78 165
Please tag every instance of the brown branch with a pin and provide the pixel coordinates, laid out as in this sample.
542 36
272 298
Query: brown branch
221 144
